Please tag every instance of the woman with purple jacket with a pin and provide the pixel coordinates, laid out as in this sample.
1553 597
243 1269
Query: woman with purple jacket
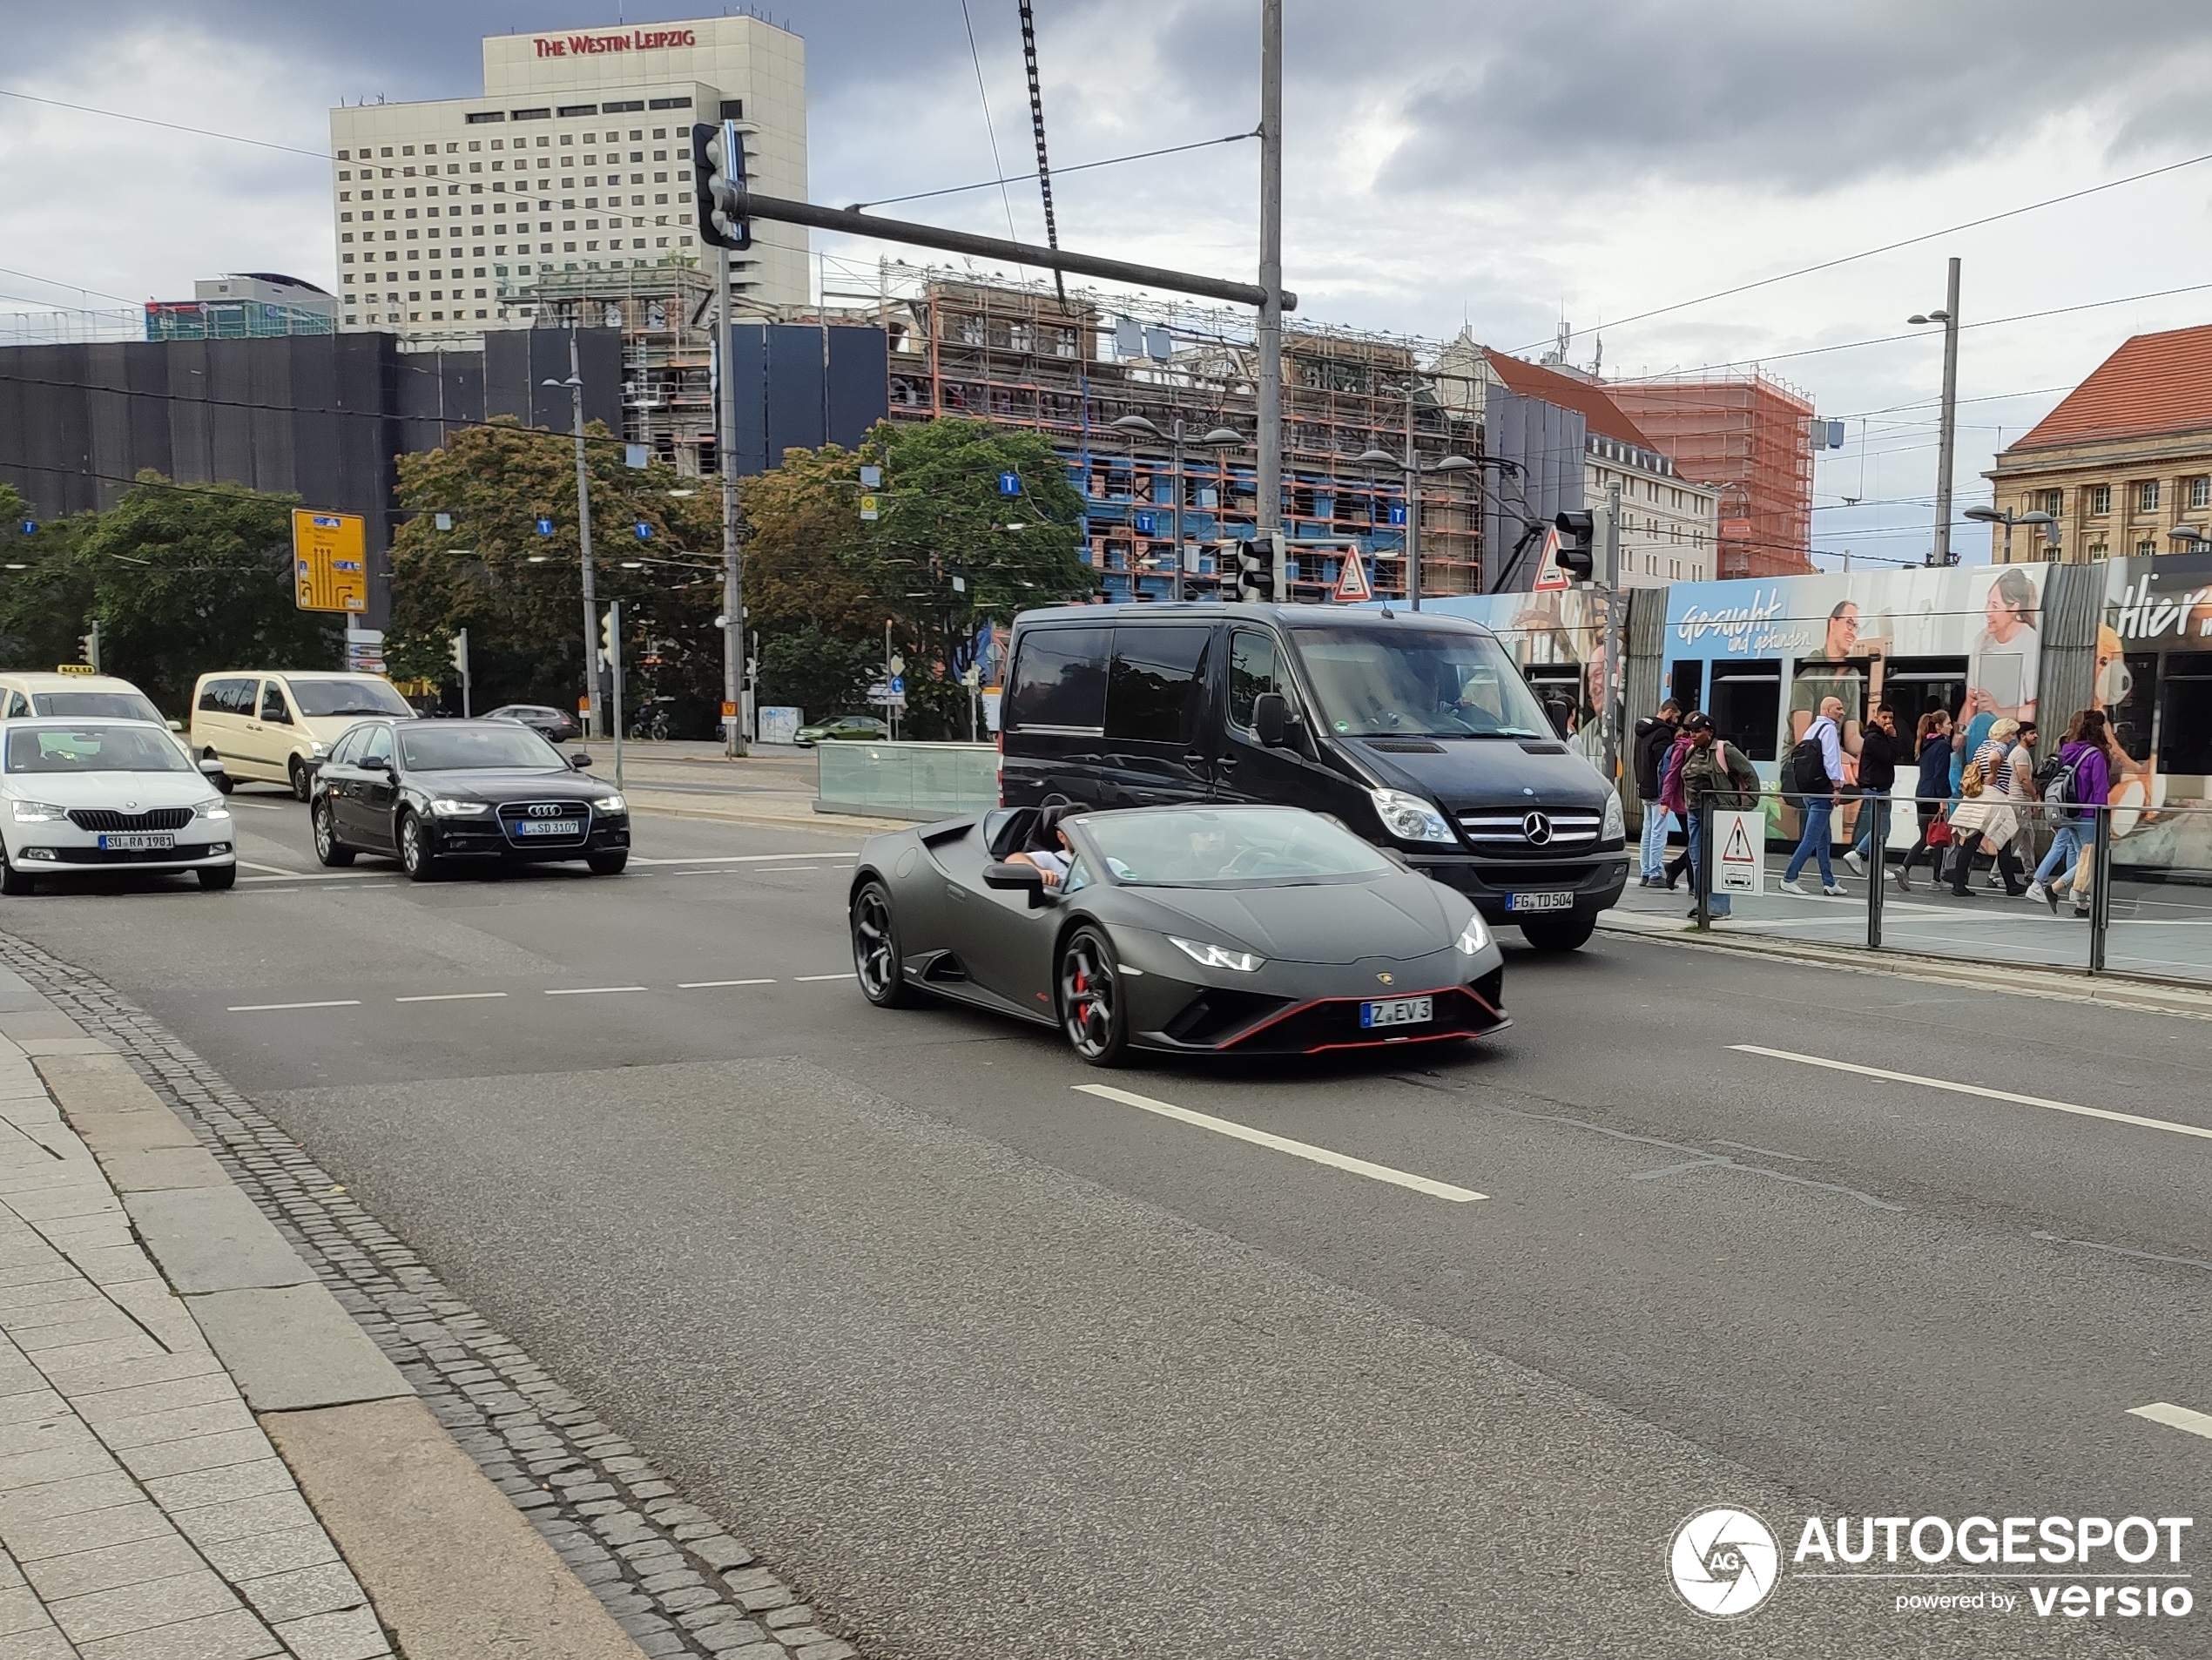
1673 799
2084 783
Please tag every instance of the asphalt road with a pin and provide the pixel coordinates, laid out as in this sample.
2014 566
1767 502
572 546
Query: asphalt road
993 1365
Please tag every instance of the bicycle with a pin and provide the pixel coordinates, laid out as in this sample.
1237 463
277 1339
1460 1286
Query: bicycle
652 726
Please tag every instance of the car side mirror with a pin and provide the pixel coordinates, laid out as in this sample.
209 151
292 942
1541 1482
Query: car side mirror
176 725
581 761
1270 718
1010 877
374 763
210 766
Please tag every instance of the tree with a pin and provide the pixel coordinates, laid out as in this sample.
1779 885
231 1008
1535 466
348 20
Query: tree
518 593
816 670
45 607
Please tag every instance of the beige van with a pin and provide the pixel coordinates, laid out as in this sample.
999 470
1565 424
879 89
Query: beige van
276 728
26 695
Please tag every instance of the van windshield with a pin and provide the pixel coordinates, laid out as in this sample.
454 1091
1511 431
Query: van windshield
319 697
1425 682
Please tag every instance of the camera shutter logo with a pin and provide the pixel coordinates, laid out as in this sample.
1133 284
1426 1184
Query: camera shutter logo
1724 1562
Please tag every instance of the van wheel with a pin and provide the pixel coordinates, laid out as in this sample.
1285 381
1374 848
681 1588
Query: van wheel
1570 935
223 782
303 783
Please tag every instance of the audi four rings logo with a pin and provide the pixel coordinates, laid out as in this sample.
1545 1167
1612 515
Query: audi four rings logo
1724 1562
545 810
1537 828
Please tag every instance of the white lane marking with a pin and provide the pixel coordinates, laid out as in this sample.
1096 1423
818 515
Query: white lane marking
1976 1089
261 1009
743 858
259 807
2161 1412
589 991
1283 1144
801 979
782 870
448 997
708 985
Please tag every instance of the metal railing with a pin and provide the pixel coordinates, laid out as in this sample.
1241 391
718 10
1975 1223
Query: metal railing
2137 899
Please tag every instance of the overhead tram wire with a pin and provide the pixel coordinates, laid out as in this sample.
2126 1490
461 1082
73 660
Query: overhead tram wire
1887 247
1079 167
1036 121
147 120
989 125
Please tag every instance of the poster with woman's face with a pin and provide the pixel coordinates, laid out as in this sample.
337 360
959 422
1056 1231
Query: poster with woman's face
2005 654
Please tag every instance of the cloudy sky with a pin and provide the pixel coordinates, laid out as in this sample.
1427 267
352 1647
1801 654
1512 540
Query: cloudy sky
1494 165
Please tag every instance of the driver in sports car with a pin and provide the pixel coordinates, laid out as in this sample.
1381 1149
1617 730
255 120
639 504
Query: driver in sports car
1047 847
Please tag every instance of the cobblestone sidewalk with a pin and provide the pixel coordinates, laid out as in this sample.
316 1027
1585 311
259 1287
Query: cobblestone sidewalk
144 1514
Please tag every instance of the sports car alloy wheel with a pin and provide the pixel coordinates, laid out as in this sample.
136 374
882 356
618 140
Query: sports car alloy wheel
1090 999
875 949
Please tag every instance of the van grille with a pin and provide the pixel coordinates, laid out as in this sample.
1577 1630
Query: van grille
1541 831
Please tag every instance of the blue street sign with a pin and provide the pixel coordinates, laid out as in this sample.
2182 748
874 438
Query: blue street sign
1009 484
545 526
31 527
898 686
1398 512
644 531
1144 524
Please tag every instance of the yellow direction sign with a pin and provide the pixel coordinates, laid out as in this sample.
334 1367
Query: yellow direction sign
329 567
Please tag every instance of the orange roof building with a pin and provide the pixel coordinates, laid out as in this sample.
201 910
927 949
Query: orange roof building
1748 435
2122 462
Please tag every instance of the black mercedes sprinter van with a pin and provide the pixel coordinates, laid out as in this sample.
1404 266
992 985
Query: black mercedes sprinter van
1418 731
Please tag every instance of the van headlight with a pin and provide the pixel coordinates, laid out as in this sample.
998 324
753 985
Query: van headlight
38 812
1473 938
1616 821
317 751
1218 957
1409 818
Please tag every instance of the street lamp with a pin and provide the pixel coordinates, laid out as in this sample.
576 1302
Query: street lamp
1219 438
1413 467
574 384
2187 536
1940 550
2006 517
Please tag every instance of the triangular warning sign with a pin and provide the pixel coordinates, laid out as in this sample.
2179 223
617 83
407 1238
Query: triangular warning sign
1352 579
1549 574
1738 850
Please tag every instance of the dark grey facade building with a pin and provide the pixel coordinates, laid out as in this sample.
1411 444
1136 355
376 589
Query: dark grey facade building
802 385
1547 442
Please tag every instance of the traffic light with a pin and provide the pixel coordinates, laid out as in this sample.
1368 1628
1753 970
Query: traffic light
1255 572
717 177
88 647
1577 539
607 634
459 652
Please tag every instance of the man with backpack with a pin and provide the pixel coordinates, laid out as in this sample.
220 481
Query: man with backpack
1715 777
1816 781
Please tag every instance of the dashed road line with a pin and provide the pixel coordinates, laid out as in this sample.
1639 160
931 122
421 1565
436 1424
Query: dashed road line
746 858
2162 1412
1285 1145
589 991
709 985
448 996
263 1008
801 979
1987 1094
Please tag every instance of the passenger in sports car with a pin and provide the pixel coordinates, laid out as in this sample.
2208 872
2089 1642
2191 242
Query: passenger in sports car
1047 847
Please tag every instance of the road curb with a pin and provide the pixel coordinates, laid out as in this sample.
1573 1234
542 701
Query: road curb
2183 1002
449 1565
838 822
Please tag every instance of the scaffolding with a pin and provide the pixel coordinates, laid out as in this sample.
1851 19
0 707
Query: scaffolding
1748 434
1017 355
665 312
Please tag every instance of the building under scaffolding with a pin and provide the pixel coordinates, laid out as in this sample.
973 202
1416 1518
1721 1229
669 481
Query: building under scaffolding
1748 434
1018 355
665 313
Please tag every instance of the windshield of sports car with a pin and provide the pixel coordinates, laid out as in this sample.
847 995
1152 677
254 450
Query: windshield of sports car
116 706
1417 681
93 749
319 698
438 748
1227 847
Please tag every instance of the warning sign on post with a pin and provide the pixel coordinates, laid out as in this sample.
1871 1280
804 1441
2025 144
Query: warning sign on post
1352 585
1739 860
1550 574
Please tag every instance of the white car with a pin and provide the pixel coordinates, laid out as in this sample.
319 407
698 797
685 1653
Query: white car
78 796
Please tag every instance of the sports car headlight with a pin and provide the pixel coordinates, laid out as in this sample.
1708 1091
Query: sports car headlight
1474 936
611 803
1616 822
1217 956
447 808
211 809
38 812
1409 818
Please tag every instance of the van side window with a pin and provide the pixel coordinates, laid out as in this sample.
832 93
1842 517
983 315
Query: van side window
221 697
17 704
1059 681
237 696
272 703
1158 683
1252 670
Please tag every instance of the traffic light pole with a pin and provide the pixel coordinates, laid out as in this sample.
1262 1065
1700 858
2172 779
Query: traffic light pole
1268 335
726 422
583 545
614 679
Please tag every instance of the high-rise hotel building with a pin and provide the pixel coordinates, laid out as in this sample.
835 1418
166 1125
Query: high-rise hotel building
576 158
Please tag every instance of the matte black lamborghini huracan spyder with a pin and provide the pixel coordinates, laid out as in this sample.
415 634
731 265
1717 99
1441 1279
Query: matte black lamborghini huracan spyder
1242 930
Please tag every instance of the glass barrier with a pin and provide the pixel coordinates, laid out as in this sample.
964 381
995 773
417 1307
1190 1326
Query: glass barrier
2156 914
921 781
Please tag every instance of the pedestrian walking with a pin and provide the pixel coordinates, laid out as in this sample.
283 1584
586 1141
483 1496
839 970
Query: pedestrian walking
1716 777
1932 751
1655 735
1986 818
2075 785
1816 777
2026 796
1672 799
1877 778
